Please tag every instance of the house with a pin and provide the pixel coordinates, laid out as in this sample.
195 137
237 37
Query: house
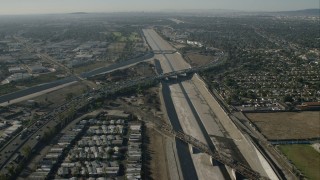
309 106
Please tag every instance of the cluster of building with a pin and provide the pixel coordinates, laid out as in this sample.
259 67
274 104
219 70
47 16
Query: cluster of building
194 43
97 152
313 106
51 160
8 130
19 65
279 78
11 120
262 104
108 146
175 35
19 73
74 54
133 166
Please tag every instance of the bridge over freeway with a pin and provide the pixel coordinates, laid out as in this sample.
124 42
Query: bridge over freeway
224 159
164 51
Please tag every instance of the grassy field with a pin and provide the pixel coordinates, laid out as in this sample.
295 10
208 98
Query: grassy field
305 158
134 37
89 67
12 87
58 97
42 78
287 125
7 88
121 38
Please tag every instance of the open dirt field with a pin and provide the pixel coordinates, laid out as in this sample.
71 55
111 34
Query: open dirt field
287 125
58 97
91 66
116 47
156 150
198 59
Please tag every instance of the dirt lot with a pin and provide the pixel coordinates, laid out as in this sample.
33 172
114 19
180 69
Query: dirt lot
139 70
156 149
91 66
287 125
116 47
58 97
198 59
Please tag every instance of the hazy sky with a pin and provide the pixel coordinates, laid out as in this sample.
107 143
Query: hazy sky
63 6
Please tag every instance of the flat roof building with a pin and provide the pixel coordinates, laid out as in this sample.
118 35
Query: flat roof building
37 69
16 70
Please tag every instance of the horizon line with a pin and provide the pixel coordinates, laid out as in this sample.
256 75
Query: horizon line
163 11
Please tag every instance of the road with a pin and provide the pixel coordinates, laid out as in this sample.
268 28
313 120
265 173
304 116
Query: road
47 122
201 116
53 118
5 99
191 101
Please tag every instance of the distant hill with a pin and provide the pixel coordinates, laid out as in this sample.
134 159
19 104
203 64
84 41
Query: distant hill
304 12
228 12
79 13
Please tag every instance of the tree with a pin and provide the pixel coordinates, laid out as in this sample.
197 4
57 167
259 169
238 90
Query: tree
288 98
26 151
69 96
12 171
3 177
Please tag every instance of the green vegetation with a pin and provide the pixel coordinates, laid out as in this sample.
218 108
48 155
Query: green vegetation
7 88
49 134
265 59
132 37
69 96
88 67
117 34
42 78
26 151
3 177
305 158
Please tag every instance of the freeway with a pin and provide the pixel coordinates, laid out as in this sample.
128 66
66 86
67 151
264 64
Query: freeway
29 139
53 119
42 87
35 89
50 120
174 63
